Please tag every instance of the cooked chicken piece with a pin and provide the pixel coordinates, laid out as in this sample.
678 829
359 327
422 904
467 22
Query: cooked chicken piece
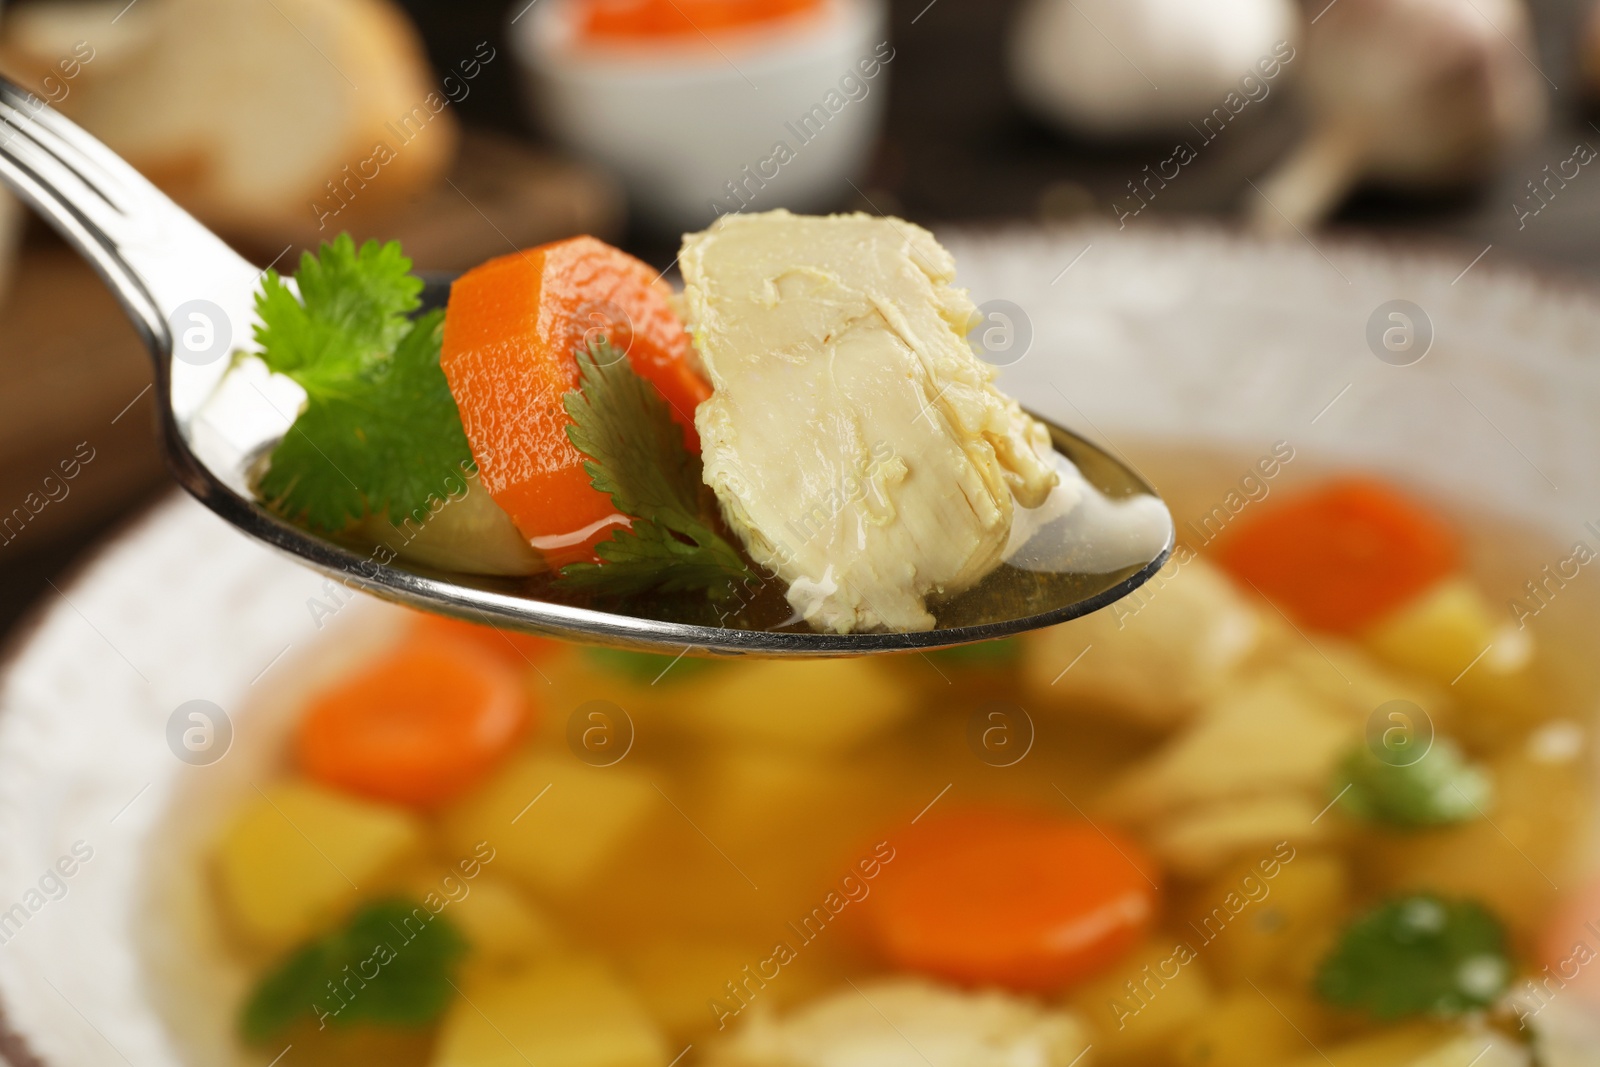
1154 657
1197 843
1254 764
854 441
907 1022
1353 680
1565 1026
1270 734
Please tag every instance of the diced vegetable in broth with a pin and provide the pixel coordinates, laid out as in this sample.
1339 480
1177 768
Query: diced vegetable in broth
792 705
1213 836
1137 1008
417 726
502 925
1438 633
554 820
1245 1028
573 1012
1269 911
293 859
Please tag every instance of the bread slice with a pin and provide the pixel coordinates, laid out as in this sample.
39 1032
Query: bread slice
260 114
42 40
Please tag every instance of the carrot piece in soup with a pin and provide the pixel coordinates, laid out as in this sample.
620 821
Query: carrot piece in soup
418 726
1343 555
1021 900
511 334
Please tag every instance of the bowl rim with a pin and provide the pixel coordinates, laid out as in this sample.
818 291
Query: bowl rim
16 645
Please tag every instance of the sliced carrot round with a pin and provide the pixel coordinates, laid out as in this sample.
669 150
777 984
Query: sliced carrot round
1341 556
511 334
517 649
418 726
1021 900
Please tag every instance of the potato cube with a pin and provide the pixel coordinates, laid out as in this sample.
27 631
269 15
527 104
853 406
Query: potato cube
796 705
501 924
698 986
1138 1006
553 821
291 862
682 982
1244 1028
1442 631
564 1013
1305 897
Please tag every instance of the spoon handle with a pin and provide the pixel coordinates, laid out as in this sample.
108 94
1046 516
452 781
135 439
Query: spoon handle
164 266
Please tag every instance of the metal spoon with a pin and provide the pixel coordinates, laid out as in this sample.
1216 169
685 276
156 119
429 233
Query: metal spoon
191 298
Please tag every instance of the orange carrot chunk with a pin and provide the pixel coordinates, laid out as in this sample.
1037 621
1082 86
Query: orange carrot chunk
511 334
1021 900
418 726
517 649
1343 555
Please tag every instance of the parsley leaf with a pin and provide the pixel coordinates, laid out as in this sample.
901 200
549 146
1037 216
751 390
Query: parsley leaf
1418 955
635 455
391 964
379 432
1440 788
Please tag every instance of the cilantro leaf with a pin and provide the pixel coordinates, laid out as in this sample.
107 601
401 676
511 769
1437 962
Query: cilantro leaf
391 964
379 432
635 455
1418 955
1440 788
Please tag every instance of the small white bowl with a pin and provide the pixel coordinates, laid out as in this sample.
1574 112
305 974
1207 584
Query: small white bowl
693 126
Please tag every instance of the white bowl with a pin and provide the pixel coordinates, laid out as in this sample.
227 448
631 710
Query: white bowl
684 124
1190 336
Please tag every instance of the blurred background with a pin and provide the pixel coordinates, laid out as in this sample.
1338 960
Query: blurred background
469 128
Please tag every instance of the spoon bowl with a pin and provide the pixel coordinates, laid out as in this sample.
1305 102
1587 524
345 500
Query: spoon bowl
191 298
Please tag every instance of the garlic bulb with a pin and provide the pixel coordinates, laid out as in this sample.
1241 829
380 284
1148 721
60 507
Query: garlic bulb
1407 93
1119 68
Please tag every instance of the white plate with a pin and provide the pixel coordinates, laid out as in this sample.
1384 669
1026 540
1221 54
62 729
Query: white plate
1185 335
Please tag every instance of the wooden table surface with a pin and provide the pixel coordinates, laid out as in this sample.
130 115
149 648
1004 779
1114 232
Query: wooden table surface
956 149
